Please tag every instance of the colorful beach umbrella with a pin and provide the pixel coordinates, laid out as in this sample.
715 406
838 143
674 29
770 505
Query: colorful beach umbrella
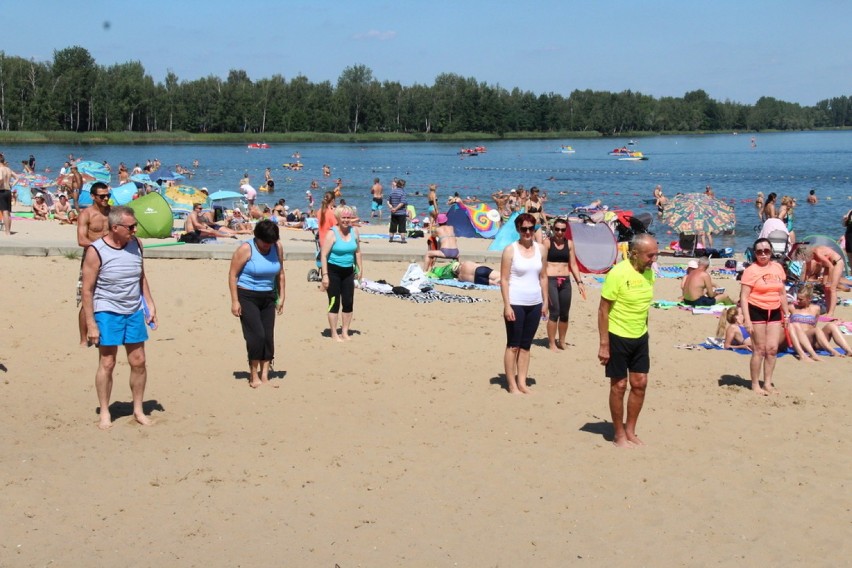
694 213
94 170
26 183
184 197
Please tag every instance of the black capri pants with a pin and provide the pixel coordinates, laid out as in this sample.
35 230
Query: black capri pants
341 288
520 333
397 224
258 321
559 297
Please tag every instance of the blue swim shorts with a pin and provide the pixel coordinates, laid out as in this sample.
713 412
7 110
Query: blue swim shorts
121 329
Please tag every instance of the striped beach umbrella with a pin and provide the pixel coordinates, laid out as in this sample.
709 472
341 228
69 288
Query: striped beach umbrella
695 213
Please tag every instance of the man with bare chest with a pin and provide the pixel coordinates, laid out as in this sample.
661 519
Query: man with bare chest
76 188
92 224
7 178
378 202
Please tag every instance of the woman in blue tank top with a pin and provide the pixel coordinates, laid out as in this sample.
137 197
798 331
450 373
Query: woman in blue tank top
256 282
340 254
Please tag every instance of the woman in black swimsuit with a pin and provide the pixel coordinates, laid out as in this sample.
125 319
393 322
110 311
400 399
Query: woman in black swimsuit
561 264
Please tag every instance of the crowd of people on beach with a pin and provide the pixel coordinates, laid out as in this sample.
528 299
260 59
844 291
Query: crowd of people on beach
534 277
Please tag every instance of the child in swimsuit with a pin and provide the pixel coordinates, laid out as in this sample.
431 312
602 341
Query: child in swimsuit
732 329
804 332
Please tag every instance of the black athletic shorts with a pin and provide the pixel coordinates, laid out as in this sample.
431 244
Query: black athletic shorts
760 315
627 354
5 199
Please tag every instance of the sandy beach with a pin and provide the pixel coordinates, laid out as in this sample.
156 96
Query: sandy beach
401 447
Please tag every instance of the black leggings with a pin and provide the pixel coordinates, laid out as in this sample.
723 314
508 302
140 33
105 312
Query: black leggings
520 333
258 321
341 288
559 298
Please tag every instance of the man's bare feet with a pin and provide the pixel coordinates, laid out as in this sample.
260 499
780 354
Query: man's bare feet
345 335
523 389
555 347
337 337
758 391
142 419
770 389
254 383
105 422
560 345
265 381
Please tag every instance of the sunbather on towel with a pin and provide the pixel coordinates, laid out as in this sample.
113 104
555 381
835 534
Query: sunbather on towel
698 288
468 271
735 334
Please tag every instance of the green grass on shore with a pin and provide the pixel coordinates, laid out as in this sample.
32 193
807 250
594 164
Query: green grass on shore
71 138
180 137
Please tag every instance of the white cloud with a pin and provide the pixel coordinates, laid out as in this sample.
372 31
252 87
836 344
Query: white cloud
375 35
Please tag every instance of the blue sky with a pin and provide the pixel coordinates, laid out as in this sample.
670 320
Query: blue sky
733 49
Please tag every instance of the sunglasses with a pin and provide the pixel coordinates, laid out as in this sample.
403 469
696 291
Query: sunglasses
103 195
130 228
527 229
558 229
762 251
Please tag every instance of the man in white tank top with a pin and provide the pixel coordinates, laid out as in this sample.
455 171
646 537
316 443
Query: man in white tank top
117 304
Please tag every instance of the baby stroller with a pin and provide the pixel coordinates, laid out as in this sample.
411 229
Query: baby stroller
315 274
629 226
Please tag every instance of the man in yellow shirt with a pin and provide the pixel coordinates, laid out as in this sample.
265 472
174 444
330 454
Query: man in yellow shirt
626 299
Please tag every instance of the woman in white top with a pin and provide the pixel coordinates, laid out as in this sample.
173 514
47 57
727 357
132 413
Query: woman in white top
523 284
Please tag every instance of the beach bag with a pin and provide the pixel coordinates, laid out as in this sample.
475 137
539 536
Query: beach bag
191 238
414 277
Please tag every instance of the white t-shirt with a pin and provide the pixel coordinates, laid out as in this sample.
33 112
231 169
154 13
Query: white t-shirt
249 191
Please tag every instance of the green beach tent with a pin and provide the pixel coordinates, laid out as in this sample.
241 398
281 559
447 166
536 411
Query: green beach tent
153 215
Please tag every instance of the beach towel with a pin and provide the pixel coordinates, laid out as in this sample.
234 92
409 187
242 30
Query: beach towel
463 285
671 271
714 343
429 297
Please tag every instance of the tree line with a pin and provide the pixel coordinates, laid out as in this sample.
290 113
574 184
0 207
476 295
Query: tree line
73 93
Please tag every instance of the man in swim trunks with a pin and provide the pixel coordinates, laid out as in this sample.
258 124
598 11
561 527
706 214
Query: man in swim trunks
626 299
114 290
7 178
76 187
469 271
446 242
698 288
196 222
378 202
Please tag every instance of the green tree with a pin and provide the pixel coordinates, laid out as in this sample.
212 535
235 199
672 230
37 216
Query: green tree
353 85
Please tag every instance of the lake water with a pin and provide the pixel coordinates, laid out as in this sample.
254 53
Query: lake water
784 163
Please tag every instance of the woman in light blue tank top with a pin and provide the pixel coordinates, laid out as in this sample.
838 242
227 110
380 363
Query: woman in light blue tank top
340 254
256 282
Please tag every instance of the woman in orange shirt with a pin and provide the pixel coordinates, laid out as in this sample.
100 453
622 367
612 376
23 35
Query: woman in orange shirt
763 299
